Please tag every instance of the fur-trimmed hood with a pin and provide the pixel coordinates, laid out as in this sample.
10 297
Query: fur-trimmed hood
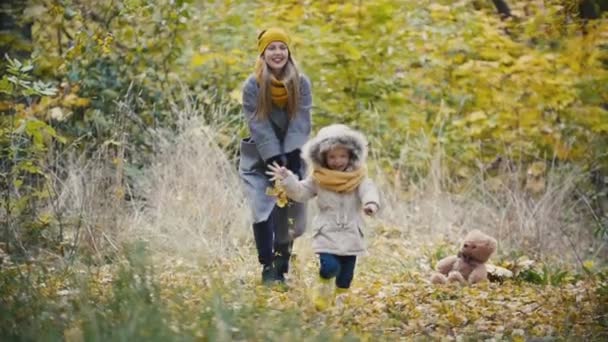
336 135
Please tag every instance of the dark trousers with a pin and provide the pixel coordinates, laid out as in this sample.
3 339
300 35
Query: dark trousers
340 266
271 241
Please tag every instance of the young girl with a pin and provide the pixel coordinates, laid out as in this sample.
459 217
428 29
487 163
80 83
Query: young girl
276 106
343 191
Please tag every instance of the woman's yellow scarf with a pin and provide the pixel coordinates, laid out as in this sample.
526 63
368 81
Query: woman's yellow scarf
278 90
339 181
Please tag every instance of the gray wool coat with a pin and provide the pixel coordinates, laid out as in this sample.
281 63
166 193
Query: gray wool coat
338 227
264 144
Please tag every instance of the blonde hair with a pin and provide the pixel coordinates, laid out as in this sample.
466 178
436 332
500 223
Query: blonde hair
290 78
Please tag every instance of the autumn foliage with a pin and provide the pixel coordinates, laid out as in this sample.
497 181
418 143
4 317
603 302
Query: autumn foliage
112 111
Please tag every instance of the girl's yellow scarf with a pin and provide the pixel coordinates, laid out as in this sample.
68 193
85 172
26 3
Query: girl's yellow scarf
339 181
278 90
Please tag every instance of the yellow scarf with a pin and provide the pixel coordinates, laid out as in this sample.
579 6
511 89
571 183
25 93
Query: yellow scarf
339 181
278 90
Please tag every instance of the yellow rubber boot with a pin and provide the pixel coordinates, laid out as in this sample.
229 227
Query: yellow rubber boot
323 294
340 295
340 291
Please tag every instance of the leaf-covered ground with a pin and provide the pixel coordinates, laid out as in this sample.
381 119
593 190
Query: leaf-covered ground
391 298
170 298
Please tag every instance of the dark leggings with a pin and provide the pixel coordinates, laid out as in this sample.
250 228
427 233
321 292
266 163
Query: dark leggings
340 266
271 238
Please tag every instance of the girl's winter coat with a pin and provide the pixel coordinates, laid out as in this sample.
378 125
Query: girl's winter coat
338 228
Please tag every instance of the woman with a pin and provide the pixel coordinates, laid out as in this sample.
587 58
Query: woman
276 104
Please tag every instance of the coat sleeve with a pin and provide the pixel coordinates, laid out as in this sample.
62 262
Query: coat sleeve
299 191
300 127
368 192
263 135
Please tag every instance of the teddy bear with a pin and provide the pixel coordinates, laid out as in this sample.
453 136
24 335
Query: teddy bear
469 265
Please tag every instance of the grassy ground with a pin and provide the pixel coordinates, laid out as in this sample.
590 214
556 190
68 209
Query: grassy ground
170 298
391 298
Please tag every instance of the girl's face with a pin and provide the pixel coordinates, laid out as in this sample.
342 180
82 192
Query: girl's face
338 158
276 55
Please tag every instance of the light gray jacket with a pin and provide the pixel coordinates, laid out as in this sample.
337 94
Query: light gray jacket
338 228
264 144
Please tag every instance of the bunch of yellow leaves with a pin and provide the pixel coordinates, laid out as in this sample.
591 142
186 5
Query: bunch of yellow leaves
279 192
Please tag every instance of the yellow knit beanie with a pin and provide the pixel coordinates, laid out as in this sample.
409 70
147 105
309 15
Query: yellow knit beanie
273 34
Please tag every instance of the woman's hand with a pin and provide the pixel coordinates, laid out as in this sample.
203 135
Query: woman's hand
294 162
277 172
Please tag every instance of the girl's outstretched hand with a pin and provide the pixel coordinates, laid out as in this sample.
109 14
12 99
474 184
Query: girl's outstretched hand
277 172
370 208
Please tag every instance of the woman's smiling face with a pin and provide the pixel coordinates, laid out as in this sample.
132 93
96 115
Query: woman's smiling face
276 55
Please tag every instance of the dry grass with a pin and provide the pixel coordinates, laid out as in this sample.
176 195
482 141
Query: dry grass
552 225
86 202
194 205
193 202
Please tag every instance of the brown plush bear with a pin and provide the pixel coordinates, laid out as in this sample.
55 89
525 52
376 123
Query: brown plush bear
469 265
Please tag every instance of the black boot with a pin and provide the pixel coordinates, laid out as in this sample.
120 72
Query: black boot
269 274
262 232
281 259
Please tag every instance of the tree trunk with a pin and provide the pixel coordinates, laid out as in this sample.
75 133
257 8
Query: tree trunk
587 10
15 36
